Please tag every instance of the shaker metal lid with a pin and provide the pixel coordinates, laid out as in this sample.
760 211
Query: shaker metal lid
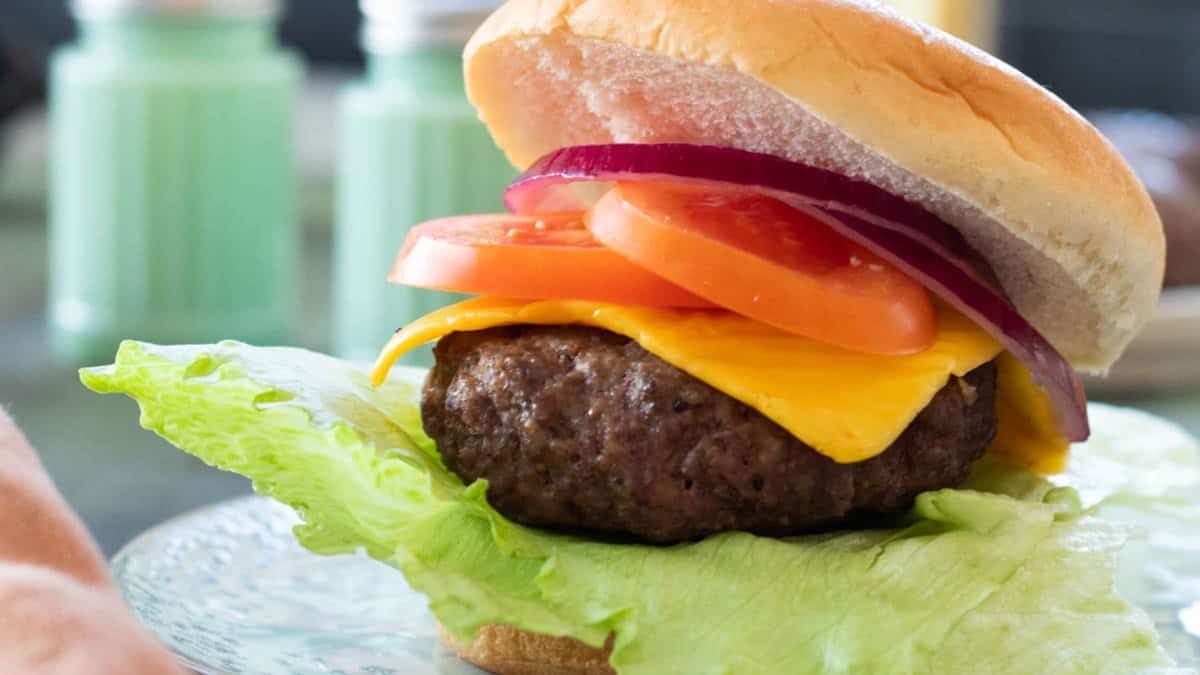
99 9
397 24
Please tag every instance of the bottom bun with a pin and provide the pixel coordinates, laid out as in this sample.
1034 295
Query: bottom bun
504 650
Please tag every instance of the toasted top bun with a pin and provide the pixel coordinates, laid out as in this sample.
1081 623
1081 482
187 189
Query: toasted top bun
855 88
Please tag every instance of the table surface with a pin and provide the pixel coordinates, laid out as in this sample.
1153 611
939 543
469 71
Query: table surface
119 477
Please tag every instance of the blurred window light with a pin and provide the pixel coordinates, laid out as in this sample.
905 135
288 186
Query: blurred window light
972 20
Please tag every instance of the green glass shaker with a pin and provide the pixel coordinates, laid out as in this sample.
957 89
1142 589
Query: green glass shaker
172 177
412 149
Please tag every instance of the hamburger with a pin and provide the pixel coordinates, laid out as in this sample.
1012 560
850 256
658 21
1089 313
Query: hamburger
771 368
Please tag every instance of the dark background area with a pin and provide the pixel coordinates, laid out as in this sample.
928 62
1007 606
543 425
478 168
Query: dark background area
325 29
1146 49
1108 53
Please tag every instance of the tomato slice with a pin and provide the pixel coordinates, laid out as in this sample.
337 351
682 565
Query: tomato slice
765 260
548 257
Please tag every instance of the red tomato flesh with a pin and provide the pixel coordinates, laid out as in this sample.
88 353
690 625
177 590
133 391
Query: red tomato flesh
762 259
548 257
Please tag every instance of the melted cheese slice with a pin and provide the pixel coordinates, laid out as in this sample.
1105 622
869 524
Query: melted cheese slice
848 406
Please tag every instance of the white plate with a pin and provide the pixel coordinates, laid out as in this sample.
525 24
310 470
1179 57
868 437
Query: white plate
1167 353
230 592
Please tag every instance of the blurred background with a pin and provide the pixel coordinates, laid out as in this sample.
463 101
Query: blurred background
187 171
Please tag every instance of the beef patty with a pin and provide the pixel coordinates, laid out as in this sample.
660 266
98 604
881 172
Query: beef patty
582 429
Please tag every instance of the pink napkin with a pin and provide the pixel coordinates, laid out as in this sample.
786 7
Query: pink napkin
59 613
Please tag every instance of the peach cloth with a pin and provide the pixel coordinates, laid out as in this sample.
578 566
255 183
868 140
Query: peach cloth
59 613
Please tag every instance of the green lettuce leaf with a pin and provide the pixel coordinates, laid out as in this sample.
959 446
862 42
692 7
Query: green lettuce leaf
1013 576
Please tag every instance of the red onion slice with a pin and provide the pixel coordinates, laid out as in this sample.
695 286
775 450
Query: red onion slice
573 178
982 304
904 233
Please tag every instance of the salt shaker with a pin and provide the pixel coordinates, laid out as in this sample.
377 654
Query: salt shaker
172 176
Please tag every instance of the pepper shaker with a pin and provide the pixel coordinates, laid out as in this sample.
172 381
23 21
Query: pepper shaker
412 149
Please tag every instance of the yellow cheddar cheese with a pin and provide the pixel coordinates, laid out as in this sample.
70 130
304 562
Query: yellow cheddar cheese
1026 432
846 405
